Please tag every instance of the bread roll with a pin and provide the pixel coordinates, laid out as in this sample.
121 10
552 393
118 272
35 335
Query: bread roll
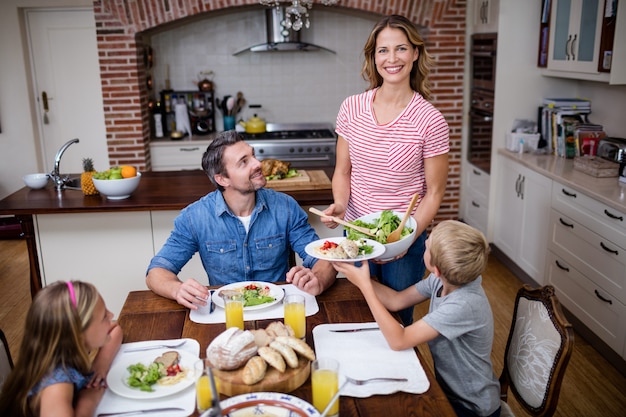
278 328
261 337
272 357
300 346
254 371
287 353
231 349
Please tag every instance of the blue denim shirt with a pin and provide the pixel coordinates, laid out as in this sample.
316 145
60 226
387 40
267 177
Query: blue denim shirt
228 253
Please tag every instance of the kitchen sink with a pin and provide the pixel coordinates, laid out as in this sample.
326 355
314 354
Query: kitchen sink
72 184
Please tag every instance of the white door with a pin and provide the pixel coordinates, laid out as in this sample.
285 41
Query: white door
64 57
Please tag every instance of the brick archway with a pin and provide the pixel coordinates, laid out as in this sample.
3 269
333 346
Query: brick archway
120 23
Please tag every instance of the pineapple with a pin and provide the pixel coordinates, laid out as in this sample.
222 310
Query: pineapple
86 178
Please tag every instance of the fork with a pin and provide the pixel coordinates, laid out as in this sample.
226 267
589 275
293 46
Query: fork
357 382
161 346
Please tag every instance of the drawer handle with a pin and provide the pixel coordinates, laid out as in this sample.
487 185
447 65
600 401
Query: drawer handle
567 193
614 251
606 300
564 268
613 216
475 204
566 224
477 172
189 149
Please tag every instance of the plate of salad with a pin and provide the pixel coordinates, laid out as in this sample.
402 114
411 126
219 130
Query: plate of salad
256 294
132 375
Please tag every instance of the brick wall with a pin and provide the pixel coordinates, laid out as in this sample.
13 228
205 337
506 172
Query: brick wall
120 23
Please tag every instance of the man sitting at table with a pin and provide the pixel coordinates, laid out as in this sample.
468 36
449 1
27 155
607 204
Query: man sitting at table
242 231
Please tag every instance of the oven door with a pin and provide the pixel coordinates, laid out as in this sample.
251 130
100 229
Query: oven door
480 138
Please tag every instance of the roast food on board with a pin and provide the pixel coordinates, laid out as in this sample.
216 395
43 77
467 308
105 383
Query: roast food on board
164 370
254 352
346 249
275 169
384 225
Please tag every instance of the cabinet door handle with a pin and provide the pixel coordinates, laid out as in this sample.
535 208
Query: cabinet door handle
566 224
477 172
569 39
573 48
564 268
606 300
613 251
613 216
567 193
475 204
517 183
521 187
189 149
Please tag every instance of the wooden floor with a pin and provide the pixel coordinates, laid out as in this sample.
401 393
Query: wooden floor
592 387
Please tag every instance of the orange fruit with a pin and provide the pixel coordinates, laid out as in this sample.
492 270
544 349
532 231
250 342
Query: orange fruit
128 171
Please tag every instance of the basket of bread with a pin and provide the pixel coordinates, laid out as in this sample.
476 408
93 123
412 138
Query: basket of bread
269 359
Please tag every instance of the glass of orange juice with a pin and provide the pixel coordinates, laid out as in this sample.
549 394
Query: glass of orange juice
233 306
204 393
295 315
325 384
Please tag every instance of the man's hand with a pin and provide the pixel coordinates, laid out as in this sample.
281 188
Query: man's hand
305 279
191 294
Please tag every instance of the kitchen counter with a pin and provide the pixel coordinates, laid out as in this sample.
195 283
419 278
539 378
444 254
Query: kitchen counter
606 190
92 238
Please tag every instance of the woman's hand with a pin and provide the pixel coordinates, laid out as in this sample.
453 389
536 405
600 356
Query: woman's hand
335 210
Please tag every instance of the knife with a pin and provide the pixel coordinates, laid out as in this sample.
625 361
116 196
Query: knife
212 307
363 329
139 412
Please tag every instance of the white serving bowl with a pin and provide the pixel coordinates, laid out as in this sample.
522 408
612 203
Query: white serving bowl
396 248
36 181
117 189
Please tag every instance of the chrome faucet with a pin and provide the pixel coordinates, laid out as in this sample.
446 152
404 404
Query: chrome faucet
59 181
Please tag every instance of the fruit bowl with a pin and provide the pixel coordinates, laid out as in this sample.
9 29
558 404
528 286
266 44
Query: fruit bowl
396 248
36 181
117 189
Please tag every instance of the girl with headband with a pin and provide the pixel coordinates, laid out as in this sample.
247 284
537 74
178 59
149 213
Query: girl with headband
67 325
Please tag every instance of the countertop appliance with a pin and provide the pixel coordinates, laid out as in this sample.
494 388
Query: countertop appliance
613 149
302 144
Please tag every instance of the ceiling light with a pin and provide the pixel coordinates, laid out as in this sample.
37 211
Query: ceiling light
297 14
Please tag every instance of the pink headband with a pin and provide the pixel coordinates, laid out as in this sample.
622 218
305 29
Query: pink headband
70 287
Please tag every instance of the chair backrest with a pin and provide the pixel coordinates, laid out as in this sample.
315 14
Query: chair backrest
540 344
6 363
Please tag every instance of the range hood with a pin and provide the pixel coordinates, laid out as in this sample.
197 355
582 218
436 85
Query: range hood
279 38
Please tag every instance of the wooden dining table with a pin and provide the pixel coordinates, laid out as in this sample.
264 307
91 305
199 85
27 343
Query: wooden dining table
147 316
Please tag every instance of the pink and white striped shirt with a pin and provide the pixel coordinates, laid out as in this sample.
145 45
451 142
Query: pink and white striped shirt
388 160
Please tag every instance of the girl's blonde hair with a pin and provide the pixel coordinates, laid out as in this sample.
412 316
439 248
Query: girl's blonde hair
459 251
421 67
53 337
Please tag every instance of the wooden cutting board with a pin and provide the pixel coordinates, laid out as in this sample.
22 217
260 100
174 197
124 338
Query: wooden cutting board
307 180
231 382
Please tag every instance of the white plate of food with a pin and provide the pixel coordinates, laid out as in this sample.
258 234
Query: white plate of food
273 293
273 404
118 377
341 249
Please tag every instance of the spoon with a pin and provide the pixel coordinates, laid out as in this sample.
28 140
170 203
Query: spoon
396 234
363 230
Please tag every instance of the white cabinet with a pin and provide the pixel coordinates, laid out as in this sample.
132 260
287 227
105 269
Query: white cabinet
522 216
587 262
575 38
175 156
111 250
475 204
485 16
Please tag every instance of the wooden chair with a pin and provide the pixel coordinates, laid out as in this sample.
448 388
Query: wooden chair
540 344
6 363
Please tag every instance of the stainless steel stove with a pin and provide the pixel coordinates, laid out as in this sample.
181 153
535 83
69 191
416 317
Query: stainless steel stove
302 144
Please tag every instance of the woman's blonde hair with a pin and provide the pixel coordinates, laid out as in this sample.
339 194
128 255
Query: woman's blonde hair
53 337
421 67
459 251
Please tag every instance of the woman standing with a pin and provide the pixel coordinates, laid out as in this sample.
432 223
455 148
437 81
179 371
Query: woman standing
391 144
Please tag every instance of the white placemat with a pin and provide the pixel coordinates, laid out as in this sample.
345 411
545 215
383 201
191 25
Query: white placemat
367 354
276 311
186 399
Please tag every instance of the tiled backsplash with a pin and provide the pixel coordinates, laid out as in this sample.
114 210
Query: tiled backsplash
290 86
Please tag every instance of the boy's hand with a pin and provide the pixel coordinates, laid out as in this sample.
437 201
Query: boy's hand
357 274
